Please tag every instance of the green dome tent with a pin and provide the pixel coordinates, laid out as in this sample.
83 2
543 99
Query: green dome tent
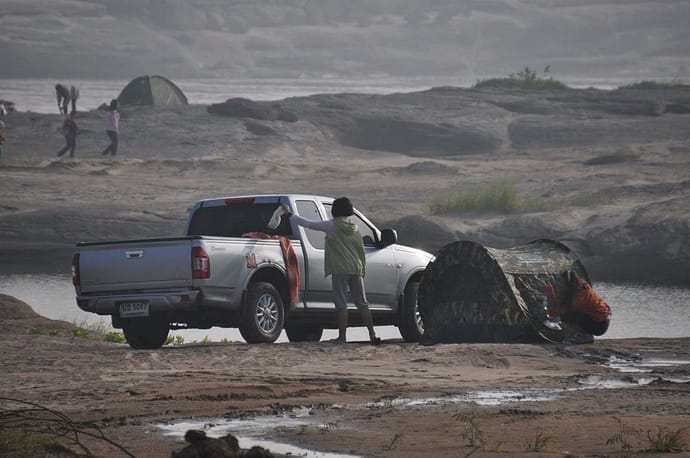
151 90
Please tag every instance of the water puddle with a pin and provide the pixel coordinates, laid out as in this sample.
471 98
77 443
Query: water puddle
254 430
481 398
648 366
595 381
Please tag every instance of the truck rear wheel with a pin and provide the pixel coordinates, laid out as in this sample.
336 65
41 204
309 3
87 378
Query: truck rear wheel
411 327
145 333
303 333
265 316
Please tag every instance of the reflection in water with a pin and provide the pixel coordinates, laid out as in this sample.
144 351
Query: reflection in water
638 310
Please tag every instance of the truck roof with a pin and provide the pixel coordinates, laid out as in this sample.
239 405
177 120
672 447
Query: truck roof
265 198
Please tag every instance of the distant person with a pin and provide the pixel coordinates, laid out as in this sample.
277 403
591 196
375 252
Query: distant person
74 95
345 262
63 97
70 132
2 138
579 305
112 128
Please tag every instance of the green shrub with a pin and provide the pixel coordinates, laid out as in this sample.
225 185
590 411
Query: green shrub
525 79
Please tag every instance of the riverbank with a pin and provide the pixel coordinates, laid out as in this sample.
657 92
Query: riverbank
602 171
394 400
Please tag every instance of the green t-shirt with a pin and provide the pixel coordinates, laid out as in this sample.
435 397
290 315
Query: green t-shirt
345 252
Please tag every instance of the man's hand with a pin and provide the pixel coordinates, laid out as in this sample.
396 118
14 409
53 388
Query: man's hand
286 209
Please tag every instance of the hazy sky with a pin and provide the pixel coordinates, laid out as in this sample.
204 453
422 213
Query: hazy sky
470 39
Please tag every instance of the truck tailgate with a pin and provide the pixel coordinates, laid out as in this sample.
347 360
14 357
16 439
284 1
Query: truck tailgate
136 265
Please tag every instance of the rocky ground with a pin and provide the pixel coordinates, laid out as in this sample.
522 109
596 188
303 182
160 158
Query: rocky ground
605 172
608 398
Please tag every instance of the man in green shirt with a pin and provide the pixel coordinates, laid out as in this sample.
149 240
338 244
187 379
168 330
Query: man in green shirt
345 262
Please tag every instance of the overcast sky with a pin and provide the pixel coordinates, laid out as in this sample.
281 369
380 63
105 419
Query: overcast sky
472 39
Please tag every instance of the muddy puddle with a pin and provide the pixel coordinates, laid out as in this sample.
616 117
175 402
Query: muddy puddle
253 431
640 370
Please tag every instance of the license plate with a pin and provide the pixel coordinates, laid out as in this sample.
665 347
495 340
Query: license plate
134 309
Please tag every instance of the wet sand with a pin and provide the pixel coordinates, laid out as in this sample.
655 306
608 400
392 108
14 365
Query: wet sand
394 400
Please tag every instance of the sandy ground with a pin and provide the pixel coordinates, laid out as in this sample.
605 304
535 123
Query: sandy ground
394 400
617 192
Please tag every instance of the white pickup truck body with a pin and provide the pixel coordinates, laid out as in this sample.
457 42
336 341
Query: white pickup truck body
216 275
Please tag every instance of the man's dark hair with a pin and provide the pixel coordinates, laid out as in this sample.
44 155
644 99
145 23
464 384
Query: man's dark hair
113 104
342 207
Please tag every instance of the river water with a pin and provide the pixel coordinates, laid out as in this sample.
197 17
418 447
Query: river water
38 95
638 310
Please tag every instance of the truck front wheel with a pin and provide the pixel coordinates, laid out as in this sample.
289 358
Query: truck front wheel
411 327
265 316
145 333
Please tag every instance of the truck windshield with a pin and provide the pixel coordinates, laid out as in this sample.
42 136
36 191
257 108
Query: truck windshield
235 220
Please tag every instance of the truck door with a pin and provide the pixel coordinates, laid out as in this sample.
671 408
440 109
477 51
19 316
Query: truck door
318 289
381 271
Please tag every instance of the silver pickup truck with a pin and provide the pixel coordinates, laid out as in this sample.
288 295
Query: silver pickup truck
230 270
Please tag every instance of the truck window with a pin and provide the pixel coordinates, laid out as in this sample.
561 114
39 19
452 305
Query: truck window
368 236
307 209
235 220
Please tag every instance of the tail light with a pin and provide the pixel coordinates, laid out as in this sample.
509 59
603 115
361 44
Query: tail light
75 269
201 264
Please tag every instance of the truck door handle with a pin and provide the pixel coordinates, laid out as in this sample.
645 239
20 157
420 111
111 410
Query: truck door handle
134 254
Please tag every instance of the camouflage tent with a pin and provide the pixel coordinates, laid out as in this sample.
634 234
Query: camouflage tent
151 90
472 293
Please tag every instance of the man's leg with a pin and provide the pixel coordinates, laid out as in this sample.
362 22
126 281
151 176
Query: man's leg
63 150
113 137
359 297
339 283
341 321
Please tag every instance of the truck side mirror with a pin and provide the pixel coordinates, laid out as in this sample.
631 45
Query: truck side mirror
388 237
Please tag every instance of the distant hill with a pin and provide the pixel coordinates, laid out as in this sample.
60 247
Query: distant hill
473 39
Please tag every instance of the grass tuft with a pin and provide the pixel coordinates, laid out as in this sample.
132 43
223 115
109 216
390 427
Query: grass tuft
541 442
668 441
20 444
44 331
114 336
501 197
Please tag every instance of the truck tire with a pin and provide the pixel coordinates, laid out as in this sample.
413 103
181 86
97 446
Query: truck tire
265 315
303 333
145 333
411 327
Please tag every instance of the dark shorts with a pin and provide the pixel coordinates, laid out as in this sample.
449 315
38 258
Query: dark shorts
355 283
